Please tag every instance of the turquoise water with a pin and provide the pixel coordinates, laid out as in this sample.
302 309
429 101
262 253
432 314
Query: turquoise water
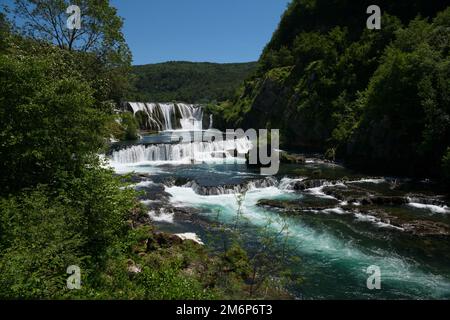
333 263
335 245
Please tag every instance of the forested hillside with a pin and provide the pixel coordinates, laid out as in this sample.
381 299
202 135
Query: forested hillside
377 98
188 81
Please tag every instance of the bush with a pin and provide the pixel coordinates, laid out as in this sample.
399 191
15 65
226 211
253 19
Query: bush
40 237
130 126
48 123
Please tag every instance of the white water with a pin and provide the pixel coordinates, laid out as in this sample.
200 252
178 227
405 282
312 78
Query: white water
192 116
329 249
162 216
288 183
143 184
336 210
183 153
168 111
375 220
374 180
318 191
430 207
211 121
162 116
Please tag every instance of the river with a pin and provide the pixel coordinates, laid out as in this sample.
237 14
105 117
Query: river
336 221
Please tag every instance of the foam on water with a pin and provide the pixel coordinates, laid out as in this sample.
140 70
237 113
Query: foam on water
378 222
318 191
288 183
181 153
430 207
139 167
148 202
162 216
375 181
143 184
336 210
396 270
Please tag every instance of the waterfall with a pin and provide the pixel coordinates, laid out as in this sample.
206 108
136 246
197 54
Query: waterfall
168 111
285 184
191 116
137 106
151 109
193 151
170 116
210 121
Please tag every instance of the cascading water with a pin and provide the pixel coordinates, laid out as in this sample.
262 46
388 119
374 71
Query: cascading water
336 240
170 116
191 116
187 152
168 111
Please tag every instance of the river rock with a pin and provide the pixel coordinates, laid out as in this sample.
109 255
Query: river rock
426 228
384 200
295 206
417 227
232 188
309 183
286 157
346 193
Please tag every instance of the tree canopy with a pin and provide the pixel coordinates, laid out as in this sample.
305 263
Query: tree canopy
188 81
373 96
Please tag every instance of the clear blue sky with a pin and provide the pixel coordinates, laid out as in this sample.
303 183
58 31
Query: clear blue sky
198 30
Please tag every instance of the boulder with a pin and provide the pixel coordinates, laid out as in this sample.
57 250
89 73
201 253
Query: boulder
308 184
286 157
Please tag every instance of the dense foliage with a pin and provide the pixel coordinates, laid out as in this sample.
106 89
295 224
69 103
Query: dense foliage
188 81
60 207
368 96
47 126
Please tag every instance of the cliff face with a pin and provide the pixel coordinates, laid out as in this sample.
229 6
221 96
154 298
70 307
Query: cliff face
329 83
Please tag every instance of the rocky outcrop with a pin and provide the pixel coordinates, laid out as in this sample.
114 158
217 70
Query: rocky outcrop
162 240
418 227
286 157
293 207
370 209
309 183
426 228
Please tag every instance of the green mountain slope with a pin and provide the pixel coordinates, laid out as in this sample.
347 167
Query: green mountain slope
377 98
189 81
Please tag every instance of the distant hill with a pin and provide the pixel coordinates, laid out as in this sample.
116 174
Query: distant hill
189 81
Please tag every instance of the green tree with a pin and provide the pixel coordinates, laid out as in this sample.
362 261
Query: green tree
406 118
48 121
4 32
47 19
104 57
